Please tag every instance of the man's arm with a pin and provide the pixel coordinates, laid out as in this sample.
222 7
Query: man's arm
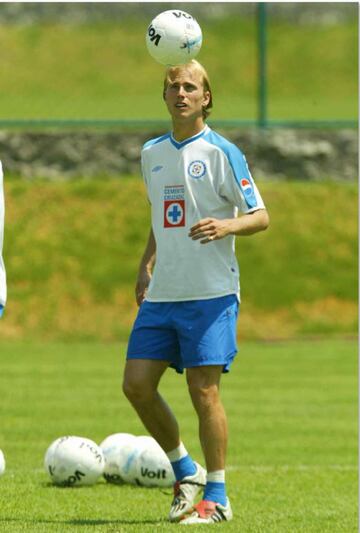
145 269
211 229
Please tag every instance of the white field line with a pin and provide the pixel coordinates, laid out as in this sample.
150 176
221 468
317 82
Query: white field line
285 468
257 468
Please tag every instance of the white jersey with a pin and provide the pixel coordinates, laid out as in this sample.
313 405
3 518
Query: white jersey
2 266
203 176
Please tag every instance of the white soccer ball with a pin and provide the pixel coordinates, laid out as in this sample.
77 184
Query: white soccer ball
151 466
74 461
2 463
117 450
49 455
173 37
129 470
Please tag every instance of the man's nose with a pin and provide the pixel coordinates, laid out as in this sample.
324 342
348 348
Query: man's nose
181 91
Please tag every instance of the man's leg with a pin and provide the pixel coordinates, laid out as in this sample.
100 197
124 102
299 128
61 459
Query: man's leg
203 383
141 380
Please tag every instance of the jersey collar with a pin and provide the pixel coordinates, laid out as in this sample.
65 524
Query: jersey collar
190 139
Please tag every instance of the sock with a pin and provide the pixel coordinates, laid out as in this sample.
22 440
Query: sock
181 462
215 490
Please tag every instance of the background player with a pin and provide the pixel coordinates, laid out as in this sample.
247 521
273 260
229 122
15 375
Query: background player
188 286
2 266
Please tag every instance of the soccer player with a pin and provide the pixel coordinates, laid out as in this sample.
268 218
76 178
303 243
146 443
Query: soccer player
2 266
188 286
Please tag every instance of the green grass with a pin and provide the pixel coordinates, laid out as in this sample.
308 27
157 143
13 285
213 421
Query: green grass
72 252
291 459
104 71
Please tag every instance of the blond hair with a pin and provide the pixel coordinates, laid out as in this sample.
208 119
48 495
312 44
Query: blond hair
192 66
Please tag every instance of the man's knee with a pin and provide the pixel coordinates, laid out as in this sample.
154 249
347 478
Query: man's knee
203 395
137 390
203 385
141 379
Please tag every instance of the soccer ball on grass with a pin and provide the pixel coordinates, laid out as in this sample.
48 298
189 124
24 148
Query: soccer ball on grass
73 461
152 467
117 450
173 38
136 460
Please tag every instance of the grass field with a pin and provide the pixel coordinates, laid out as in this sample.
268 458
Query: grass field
104 71
292 455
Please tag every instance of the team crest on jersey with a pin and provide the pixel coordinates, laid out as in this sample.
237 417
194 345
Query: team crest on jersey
174 206
157 168
197 169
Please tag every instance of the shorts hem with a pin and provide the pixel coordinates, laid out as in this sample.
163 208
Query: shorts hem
180 369
153 358
226 365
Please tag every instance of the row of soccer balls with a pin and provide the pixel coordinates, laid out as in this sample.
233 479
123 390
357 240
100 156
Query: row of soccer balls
120 458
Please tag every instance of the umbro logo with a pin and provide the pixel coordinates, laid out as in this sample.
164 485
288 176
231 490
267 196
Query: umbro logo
157 168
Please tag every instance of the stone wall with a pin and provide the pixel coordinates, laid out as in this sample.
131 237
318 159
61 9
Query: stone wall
273 153
307 13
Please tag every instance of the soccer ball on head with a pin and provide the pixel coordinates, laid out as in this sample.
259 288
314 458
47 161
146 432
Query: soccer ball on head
173 38
73 461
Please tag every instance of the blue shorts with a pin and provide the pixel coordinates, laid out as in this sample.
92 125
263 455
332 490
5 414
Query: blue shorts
186 334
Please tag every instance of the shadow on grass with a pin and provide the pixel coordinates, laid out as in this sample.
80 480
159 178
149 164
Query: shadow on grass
84 522
164 491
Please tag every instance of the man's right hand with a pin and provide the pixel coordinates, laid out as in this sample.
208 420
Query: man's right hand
141 287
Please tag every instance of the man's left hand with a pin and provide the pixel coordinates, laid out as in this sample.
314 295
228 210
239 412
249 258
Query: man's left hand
209 229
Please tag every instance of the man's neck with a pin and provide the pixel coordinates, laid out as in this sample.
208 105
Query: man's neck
186 130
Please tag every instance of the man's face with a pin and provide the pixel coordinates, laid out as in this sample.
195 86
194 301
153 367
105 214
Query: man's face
185 96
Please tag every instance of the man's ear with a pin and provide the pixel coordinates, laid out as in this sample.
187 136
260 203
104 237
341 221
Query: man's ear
206 98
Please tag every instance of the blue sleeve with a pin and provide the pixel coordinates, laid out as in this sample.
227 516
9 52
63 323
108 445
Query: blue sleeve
240 172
